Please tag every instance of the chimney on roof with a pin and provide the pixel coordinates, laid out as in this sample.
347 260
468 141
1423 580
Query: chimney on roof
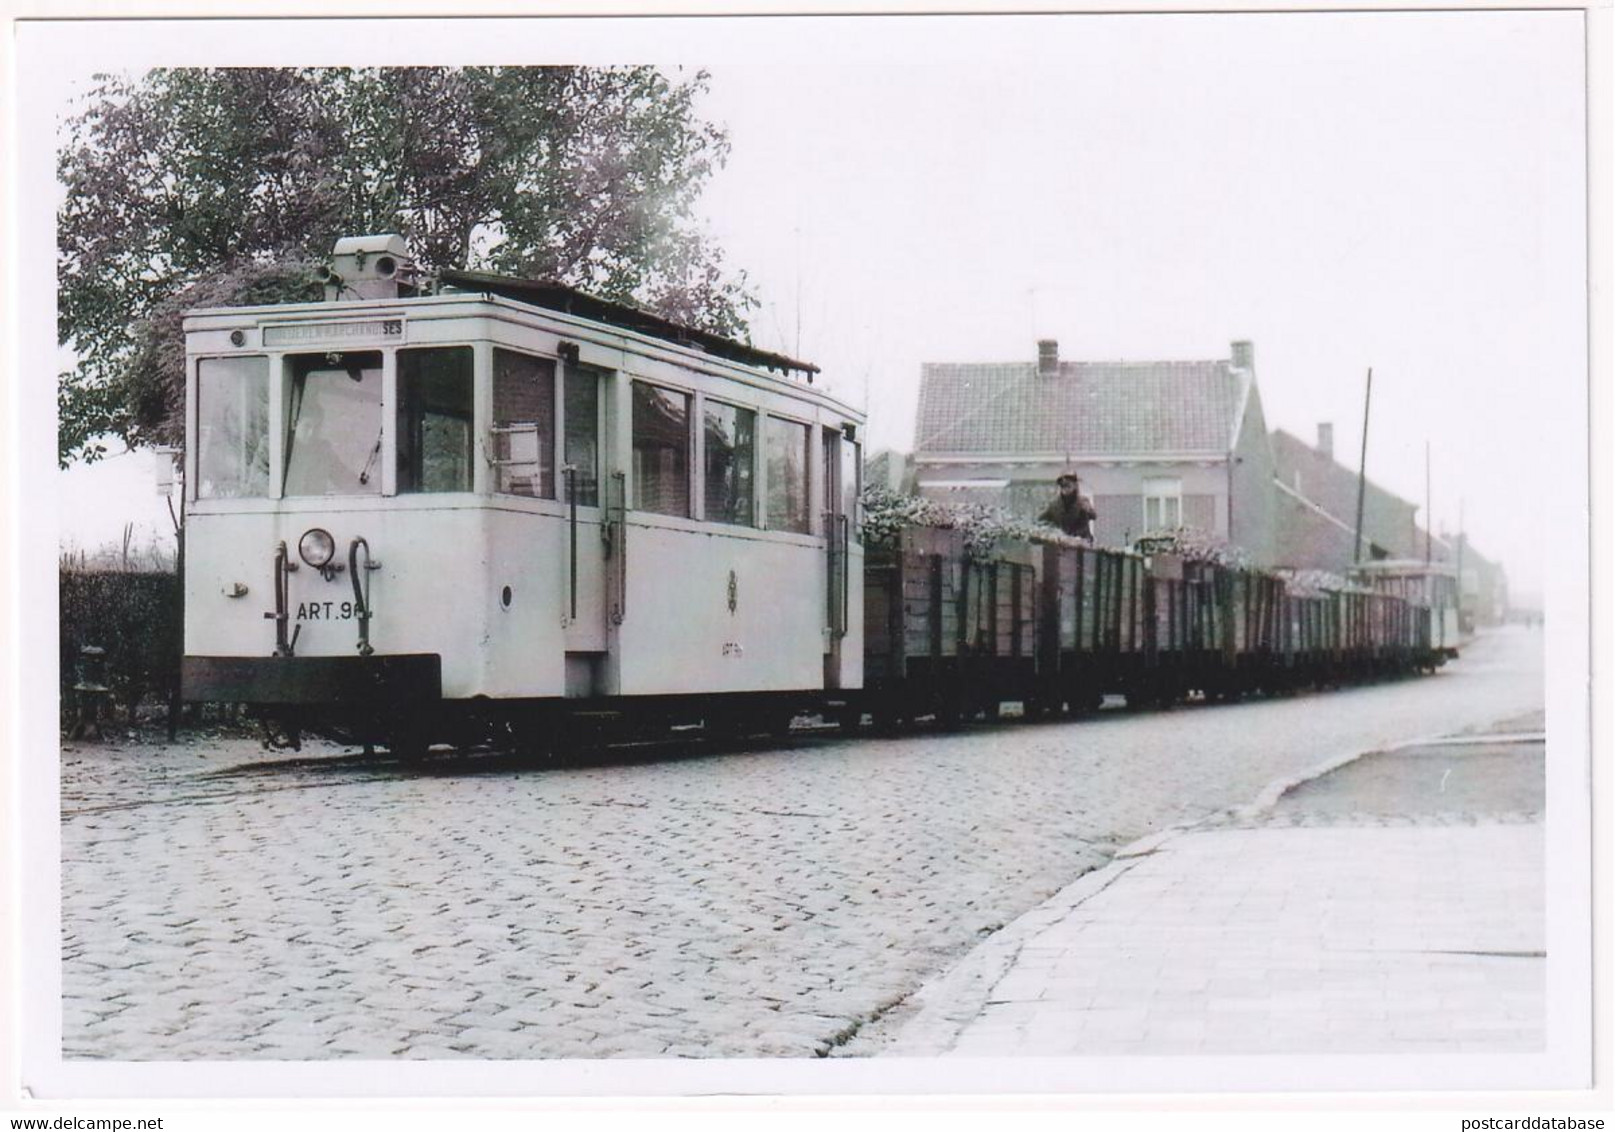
1326 440
1242 354
1048 357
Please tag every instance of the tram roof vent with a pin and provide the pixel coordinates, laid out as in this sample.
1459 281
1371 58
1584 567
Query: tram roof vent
369 267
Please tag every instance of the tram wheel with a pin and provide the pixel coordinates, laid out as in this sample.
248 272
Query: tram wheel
409 736
532 737
407 748
890 720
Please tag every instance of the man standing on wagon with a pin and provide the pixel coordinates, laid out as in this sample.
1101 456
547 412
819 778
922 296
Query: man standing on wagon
1071 511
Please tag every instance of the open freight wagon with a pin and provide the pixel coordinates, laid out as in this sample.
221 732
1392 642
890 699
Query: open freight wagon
948 633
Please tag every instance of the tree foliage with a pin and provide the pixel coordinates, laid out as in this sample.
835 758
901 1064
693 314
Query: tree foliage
217 186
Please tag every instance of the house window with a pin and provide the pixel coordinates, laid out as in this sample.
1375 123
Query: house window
1163 504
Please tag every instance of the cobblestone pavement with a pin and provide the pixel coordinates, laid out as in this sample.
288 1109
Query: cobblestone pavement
767 903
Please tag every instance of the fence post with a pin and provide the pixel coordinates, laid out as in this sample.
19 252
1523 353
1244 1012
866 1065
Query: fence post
175 705
90 694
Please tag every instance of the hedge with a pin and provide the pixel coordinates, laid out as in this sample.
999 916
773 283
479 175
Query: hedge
136 618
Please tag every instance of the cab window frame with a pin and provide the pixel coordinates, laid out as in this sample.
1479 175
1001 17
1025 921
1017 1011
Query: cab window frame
327 427
264 428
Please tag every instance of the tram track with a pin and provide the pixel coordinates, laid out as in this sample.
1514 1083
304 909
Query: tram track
271 776
274 775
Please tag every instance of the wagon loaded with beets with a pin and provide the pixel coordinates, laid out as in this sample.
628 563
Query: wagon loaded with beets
966 610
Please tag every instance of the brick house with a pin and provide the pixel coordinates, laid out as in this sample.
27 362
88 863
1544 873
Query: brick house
1315 501
1157 444
1319 536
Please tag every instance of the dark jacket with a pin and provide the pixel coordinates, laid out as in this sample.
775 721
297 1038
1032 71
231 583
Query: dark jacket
1072 514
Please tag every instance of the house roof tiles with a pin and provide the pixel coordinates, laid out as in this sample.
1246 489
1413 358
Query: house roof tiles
1085 408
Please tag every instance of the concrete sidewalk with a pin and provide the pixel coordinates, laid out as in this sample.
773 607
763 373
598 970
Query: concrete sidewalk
1317 932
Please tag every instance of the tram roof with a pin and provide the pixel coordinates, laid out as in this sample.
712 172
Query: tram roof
551 295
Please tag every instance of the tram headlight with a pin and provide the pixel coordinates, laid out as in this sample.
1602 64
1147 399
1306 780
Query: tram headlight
316 547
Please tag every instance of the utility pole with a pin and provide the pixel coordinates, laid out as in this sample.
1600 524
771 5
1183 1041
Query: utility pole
1428 518
796 348
1362 470
1460 564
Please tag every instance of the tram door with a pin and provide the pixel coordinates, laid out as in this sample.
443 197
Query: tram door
840 482
584 490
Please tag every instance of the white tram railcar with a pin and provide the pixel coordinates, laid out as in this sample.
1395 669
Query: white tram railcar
1432 586
508 503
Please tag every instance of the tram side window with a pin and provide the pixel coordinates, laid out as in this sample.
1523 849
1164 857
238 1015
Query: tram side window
434 419
524 423
581 392
232 426
731 449
788 461
852 473
661 450
333 434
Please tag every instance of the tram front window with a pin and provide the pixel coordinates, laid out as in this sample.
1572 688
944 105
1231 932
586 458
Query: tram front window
333 433
232 425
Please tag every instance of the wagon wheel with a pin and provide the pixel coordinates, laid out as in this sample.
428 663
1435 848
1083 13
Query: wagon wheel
1085 700
950 714
849 717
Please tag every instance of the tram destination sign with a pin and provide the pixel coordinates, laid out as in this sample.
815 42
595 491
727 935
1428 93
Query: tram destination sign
365 330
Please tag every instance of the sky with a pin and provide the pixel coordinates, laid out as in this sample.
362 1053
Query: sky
1346 191
1403 191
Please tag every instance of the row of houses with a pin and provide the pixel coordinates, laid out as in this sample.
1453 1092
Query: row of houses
1159 445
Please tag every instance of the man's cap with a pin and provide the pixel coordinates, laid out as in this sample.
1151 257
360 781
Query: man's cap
1066 477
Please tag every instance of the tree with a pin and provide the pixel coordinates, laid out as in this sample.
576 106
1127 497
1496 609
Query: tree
227 185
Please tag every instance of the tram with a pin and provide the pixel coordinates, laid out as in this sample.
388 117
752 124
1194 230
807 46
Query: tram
1432 586
414 516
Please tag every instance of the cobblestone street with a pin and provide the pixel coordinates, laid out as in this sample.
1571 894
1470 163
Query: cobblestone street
222 903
